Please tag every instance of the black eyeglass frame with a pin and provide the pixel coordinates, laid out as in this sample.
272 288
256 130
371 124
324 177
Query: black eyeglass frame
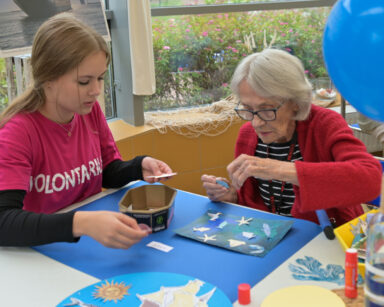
274 110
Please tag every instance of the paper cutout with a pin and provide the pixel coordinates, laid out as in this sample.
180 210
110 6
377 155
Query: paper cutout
201 229
206 238
244 221
234 243
248 235
77 302
177 296
267 230
162 176
214 216
160 246
303 295
111 291
261 235
310 268
222 183
148 283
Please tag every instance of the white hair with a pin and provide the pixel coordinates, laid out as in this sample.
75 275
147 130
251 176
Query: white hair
276 75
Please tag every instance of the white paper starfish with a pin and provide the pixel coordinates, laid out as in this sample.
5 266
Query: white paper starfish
207 238
234 243
201 229
214 216
244 221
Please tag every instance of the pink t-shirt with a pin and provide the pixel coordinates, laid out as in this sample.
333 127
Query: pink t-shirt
56 170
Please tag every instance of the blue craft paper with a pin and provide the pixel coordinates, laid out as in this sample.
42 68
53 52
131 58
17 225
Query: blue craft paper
188 257
143 283
266 237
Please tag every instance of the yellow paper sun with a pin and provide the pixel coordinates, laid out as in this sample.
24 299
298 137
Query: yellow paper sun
111 291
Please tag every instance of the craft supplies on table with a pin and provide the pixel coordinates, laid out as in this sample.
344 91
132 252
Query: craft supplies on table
346 234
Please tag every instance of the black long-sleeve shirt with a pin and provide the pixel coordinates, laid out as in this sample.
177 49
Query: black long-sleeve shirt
24 228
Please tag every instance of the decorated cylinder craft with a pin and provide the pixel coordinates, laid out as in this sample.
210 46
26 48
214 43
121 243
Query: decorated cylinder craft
351 273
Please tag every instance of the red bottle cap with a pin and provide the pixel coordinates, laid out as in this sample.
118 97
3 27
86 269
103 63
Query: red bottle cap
351 255
244 294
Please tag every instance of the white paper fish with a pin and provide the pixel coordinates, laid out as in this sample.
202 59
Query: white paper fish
222 225
267 230
257 249
201 229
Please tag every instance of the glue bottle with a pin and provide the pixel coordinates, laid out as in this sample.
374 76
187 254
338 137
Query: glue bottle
351 273
374 262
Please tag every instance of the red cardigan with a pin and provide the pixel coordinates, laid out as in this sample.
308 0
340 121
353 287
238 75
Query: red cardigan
336 174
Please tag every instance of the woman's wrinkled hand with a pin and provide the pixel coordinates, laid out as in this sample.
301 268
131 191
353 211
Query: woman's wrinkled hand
219 192
245 166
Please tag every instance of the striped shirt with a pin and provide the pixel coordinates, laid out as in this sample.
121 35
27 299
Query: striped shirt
277 151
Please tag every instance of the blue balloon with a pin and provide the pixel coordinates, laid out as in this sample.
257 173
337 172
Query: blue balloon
353 48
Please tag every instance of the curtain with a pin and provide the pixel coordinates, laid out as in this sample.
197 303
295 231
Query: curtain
140 34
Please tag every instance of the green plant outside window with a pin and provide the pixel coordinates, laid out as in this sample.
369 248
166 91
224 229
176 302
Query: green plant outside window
195 55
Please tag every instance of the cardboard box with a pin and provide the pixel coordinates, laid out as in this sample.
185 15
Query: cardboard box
344 235
152 205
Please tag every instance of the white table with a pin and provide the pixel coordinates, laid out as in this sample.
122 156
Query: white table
29 278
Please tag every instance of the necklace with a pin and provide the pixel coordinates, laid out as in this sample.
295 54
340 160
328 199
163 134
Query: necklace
69 131
273 200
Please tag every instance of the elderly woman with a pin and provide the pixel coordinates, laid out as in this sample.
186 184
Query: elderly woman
292 157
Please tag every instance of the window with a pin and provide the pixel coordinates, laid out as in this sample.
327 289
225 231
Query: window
196 54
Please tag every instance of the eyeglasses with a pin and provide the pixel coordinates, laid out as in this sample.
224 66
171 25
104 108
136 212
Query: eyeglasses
267 115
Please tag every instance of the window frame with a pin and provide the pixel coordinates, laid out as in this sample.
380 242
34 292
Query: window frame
130 107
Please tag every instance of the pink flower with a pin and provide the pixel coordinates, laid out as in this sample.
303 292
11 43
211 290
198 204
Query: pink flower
210 22
180 69
224 85
306 71
166 47
188 30
205 33
313 41
283 34
235 50
290 30
217 29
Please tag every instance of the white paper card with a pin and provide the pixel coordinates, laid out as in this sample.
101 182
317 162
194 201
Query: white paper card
163 175
160 246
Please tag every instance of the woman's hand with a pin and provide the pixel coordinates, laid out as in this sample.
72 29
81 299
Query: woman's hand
112 229
245 166
154 167
216 191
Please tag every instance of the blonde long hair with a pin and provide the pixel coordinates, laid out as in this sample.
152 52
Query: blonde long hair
60 44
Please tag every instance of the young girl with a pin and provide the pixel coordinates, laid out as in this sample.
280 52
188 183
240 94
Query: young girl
56 147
